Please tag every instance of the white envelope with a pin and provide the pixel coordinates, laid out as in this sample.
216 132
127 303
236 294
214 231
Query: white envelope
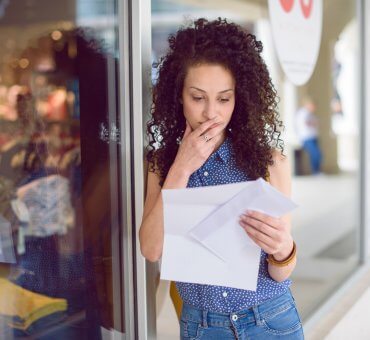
203 241
223 224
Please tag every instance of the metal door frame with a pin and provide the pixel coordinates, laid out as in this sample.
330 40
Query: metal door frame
128 265
140 71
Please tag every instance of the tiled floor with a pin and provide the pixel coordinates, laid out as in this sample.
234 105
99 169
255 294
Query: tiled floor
325 228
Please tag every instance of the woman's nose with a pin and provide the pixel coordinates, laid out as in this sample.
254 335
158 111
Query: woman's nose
210 111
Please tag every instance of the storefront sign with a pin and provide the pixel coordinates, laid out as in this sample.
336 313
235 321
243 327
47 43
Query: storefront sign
296 29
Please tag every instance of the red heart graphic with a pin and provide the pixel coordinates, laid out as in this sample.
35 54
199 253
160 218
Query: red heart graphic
287 5
306 9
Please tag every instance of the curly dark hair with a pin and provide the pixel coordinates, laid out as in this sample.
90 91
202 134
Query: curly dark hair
254 127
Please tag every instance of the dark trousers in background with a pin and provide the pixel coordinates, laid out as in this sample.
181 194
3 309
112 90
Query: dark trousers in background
312 148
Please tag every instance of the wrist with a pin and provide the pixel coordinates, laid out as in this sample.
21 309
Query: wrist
283 262
176 178
284 253
179 171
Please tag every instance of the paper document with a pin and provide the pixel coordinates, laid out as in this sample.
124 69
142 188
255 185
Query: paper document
203 241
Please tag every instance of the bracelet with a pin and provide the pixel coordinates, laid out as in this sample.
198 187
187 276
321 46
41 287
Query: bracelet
283 263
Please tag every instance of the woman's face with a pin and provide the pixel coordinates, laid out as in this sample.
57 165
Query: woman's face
209 91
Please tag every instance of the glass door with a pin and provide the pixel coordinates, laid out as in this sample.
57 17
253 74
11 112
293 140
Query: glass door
65 266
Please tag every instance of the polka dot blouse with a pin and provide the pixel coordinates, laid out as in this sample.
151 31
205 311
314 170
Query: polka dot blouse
220 168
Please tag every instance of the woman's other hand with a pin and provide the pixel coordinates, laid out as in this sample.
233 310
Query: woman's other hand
270 233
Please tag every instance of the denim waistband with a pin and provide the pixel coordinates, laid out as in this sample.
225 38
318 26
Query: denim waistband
254 314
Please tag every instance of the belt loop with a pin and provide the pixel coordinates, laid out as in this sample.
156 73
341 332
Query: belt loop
257 315
205 314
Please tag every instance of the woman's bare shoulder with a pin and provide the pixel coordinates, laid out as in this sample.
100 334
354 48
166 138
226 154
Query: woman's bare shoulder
280 172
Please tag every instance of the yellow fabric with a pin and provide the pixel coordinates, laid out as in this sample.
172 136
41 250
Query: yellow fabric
176 299
22 307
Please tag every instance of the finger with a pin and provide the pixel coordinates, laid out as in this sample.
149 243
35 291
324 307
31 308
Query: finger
272 221
214 131
257 226
256 234
212 142
213 135
266 247
204 126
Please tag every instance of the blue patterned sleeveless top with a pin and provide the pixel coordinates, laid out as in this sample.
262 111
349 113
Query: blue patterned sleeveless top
220 168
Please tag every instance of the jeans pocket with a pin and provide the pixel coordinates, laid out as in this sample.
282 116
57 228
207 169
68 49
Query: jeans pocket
190 330
283 322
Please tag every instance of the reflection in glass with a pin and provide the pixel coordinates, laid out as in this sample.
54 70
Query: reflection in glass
58 172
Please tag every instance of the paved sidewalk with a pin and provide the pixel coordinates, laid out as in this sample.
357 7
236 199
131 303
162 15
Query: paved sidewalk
349 317
355 324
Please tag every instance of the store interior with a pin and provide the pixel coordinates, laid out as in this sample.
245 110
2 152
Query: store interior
58 133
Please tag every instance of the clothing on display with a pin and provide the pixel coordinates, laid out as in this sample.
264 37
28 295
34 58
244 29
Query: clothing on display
49 204
20 307
6 242
12 157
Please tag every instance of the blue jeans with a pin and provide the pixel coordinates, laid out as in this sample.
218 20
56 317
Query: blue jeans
276 318
312 148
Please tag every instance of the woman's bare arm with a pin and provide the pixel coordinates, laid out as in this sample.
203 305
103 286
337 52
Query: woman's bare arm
151 229
192 153
280 178
272 234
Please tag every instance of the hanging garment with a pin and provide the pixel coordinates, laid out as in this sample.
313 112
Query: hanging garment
48 201
6 241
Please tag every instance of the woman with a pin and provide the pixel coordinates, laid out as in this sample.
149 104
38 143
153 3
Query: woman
214 121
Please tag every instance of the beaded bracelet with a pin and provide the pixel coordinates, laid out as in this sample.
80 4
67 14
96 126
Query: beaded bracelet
283 263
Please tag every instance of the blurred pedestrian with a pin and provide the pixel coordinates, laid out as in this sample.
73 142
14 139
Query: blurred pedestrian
307 128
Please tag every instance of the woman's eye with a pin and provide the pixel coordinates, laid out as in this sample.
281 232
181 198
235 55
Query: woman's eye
224 100
197 98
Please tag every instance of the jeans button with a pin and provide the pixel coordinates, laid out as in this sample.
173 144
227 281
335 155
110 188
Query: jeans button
234 317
